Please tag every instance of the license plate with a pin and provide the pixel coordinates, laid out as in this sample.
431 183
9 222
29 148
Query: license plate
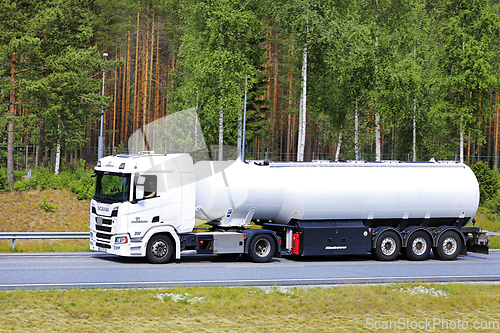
100 249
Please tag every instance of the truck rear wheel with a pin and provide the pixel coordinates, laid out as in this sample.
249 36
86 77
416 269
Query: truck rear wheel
160 249
418 246
449 246
262 248
388 246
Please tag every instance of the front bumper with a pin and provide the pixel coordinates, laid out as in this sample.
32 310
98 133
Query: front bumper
126 249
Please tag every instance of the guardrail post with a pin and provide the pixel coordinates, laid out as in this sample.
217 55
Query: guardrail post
13 244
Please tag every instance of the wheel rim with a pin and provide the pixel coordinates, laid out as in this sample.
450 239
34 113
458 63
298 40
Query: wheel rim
449 245
419 246
262 247
388 246
159 249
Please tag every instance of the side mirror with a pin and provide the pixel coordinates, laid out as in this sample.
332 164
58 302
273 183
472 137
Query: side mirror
138 188
139 192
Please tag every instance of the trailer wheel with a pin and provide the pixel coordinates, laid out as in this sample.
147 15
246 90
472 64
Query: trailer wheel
262 248
418 246
160 249
448 246
388 246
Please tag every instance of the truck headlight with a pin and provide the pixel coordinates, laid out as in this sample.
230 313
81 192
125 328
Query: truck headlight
121 240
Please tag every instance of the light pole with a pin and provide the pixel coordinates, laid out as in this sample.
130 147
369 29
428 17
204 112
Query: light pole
244 122
99 152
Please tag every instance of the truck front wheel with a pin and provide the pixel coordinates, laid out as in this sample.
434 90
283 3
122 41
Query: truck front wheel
262 248
160 249
449 246
388 246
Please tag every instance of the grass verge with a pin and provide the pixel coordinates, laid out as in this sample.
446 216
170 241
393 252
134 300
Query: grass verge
48 210
352 308
488 220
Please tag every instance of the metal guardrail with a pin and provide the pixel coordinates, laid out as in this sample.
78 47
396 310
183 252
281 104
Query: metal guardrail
42 235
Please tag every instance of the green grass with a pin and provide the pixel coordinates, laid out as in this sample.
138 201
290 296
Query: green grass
488 220
45 245
350 308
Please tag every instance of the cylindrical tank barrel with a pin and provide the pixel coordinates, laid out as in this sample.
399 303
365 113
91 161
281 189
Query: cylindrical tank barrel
376 193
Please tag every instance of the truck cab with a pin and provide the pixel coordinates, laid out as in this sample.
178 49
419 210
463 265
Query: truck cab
138 196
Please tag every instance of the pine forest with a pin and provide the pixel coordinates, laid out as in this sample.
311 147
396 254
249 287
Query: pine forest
406 80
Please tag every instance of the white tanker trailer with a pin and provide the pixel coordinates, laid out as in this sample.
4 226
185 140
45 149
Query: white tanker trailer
147 205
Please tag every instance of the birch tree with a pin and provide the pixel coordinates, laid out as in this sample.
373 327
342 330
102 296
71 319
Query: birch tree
469 35
304 20
219 49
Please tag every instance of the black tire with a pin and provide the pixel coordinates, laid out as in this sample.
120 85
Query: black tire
160 249
449 246
418 246
262 248
388 246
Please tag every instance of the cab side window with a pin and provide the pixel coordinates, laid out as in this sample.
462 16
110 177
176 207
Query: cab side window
146 187
150 187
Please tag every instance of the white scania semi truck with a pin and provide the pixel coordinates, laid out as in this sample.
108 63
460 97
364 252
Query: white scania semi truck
148 204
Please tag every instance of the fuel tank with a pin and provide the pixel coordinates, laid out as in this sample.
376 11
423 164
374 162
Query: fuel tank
377 193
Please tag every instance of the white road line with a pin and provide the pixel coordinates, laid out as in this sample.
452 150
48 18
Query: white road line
380 279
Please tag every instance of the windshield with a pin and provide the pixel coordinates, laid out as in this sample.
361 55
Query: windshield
112 187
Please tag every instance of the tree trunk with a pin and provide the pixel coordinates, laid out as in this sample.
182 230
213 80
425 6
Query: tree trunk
40 148
136 80
488 137
289 117
303 106
377 137
377 115
497 119
288 136
461 142
275 96
337 153
115 102
123 104
145 85
158 89
12 114
127 93
414 130
58 155
356 132
240 131
221 131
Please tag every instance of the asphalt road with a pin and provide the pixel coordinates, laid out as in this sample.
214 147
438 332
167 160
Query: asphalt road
98 270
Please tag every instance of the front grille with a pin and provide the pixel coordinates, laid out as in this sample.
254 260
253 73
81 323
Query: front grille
105 246
104 236
102 228
99 221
